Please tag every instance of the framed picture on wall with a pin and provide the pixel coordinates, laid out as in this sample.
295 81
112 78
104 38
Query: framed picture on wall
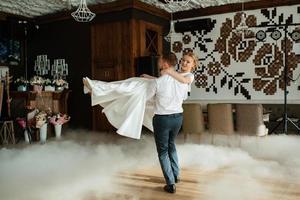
3 50
14 56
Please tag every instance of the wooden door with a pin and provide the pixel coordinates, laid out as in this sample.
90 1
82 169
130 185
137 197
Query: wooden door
110 60
115 46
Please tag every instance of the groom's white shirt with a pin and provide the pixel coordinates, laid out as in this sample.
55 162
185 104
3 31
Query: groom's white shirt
169 95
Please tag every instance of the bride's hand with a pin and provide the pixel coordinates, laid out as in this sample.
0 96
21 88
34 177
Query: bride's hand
147 76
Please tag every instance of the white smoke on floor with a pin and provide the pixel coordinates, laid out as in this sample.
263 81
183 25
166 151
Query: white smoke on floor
67 169
86 164
245 165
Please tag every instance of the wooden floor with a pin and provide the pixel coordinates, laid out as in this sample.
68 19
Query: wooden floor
146 184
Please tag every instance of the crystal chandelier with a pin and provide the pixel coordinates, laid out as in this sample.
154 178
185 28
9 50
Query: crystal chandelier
83 13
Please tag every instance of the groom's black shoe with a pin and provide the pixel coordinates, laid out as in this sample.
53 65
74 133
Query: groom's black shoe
170 188
177 179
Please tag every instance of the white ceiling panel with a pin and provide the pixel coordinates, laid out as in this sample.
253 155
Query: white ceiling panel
34 8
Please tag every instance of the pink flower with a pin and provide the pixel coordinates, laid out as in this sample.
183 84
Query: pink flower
21 122
59 119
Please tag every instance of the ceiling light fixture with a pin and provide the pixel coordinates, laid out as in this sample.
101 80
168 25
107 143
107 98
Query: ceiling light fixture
83 14
174 5
243 28
172 33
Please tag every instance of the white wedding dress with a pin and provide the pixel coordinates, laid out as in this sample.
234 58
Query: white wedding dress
124 104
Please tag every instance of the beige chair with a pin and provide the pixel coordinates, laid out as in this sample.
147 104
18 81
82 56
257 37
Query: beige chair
249 120
192 119
220 119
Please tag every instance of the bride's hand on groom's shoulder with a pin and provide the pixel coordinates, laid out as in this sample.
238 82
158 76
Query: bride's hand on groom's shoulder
147 76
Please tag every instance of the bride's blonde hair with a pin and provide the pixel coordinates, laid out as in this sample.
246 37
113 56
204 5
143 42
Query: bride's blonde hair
194 57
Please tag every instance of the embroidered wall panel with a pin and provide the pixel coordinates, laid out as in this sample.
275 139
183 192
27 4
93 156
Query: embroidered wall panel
243 55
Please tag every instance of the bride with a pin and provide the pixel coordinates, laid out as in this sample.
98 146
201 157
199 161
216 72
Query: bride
129 104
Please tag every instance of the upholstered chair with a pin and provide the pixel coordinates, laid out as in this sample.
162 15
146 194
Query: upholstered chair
249 120
192 119
220 118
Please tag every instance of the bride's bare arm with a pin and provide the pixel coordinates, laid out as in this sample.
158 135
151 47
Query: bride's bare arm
178 76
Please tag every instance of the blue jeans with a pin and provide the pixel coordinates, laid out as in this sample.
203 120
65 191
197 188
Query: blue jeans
166 128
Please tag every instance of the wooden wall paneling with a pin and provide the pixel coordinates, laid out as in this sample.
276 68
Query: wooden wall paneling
143 27
115 46
127 60
135 43
111 60
103 67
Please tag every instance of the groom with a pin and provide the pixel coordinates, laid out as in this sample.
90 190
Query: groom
169 95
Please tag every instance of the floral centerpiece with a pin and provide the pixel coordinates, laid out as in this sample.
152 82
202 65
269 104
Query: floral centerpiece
49 85
41 123
58 120
37 83
22 123
60 84
37 80
21 84
40 119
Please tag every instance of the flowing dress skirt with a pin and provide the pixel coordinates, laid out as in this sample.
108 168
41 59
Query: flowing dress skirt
124 104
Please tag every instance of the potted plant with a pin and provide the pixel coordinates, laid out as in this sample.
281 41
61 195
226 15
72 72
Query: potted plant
21 84
60 84
58 120
37 83
49 85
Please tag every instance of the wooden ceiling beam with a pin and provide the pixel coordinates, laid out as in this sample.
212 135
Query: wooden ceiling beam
253 5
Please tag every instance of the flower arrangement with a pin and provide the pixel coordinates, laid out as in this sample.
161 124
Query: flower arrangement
59 119
49 85
21 81
27 132
48 82
40 119
37 80
21 122
60 83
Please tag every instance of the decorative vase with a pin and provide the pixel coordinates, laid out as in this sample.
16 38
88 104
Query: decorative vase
59 88
37 88
22 88
57 129
49 88
26 136
43 133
